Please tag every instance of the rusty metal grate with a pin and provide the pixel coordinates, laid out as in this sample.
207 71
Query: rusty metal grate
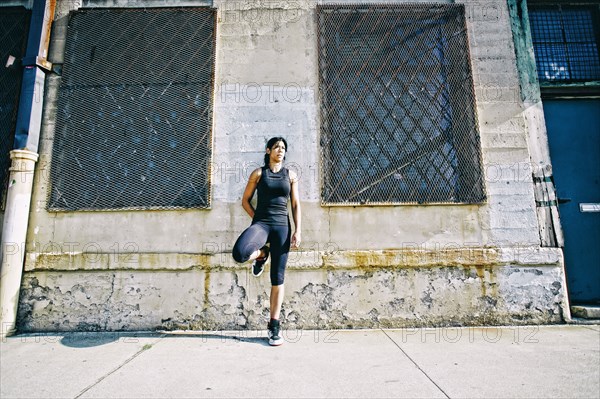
14 28
134 116
565 41
398 121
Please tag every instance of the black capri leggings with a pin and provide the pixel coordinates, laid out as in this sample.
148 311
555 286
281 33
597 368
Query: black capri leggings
255 237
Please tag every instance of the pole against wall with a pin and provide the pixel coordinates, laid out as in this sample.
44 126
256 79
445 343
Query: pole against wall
24 156
12 251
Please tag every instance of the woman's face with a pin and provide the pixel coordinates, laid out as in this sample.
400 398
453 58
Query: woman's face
277 152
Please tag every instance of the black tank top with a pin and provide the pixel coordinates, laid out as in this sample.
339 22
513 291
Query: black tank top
273 193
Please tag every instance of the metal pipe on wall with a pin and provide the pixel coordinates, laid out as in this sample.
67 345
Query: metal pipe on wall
24 156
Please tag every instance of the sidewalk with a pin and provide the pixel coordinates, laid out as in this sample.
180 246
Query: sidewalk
560 361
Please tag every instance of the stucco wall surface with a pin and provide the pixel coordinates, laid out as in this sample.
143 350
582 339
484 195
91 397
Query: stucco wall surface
358 266
323 290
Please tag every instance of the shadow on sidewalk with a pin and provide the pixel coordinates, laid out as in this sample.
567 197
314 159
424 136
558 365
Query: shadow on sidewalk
205 337
92 339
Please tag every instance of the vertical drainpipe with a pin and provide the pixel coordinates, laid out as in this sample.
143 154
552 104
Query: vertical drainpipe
24 156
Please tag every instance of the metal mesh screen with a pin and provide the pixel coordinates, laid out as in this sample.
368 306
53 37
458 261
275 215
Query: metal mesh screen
14 28
133 127
565 42
398 118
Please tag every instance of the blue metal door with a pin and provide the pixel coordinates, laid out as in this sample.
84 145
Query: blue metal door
574 138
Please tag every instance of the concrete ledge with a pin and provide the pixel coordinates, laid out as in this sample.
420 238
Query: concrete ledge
316 298
329 257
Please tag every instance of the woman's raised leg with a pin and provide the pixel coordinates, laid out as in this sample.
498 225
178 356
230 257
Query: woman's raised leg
248 245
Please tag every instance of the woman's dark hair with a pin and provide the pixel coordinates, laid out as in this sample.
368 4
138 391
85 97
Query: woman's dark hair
271 143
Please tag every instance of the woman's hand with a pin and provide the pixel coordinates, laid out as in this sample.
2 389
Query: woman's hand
296 239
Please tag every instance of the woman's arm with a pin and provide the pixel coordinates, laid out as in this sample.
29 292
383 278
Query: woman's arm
249 191
296 212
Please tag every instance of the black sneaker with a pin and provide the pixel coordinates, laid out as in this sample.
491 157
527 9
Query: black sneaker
259 264
273 332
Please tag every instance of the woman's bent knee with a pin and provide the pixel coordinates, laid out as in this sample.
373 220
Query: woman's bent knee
238 256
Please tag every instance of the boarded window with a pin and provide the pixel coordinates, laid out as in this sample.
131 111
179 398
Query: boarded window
398 122
133 128
14 27
565 42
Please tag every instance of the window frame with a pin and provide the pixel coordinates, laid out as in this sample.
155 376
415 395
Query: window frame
565 89
204 199
482 198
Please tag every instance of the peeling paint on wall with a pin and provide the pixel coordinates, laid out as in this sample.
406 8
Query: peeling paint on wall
521 35
315 299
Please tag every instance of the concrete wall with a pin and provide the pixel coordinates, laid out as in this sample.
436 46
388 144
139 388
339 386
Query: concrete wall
358 266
